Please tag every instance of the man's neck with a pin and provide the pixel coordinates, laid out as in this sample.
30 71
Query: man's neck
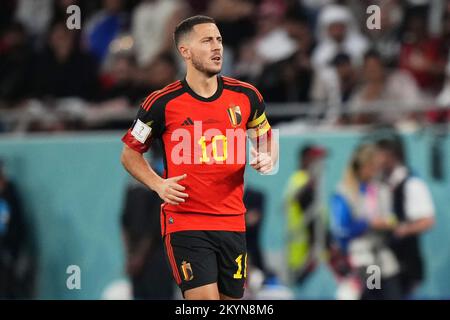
201 84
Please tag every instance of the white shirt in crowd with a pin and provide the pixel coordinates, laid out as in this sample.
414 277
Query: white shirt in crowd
418 201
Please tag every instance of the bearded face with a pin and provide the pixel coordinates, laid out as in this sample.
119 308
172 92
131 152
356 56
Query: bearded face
205 49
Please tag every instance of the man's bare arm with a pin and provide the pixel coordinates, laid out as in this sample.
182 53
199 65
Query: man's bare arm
415 227
168 189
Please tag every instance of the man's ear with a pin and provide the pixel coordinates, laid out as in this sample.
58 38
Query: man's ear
185 52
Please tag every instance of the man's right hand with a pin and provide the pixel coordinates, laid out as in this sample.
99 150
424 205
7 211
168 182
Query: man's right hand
382 224
170 191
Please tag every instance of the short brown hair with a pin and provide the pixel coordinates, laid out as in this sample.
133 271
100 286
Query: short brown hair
185 26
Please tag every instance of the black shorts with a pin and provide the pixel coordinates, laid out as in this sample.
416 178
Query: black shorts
198 258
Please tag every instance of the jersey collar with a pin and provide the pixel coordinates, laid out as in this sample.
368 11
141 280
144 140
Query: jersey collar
215 96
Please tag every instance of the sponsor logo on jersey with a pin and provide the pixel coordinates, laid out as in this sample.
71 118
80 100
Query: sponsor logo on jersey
187 122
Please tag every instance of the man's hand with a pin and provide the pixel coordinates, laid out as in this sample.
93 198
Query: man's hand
414 227
401 231
381 224
262 162
170 191
252 217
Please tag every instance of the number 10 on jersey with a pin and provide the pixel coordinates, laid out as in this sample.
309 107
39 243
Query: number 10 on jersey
215 146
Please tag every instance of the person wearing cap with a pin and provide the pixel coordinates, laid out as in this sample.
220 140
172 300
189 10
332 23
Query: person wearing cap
338 32
305 231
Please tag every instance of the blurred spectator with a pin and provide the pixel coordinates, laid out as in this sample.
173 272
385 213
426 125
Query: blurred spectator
299 31
422 55
13 236
396 89
385 40
337 32
317 4
296 10
270 44
104 26
125 85
36 16
413 207
120 82
248 66
39 15
153 22
443 98
289 80
234 20
156 75
7 9
312 9
63 70
446 30
361 216
254 201
334 86
272 40
145 259
15 63
198 6
305 225
59 9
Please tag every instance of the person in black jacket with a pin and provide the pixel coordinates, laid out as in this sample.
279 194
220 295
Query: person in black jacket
63 69
146 266
255 203
413 207
14 283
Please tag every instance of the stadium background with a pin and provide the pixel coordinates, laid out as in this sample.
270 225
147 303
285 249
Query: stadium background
65 158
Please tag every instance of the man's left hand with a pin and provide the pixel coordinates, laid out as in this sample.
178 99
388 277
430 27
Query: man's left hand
262 162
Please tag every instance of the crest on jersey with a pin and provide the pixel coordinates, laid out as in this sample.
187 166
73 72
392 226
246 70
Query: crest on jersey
235 115
187 271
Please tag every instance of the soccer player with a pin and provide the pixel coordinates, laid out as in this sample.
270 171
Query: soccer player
202 122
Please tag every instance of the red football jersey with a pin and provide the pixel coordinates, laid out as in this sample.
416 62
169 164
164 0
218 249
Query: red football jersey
204 138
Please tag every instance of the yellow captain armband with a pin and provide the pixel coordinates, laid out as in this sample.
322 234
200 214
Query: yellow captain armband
258 126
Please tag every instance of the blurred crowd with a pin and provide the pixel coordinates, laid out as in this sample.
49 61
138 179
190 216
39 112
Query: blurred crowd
377 214
314 53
